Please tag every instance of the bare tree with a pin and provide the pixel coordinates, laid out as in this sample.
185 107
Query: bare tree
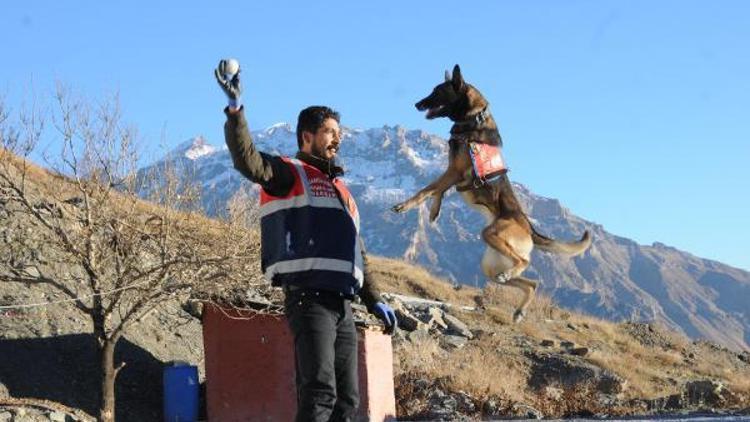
242 208
112 256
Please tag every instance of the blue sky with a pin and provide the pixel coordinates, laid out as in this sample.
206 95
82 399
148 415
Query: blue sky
635 114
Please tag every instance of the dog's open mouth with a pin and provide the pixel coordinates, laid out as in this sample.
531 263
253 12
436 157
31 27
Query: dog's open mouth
434 112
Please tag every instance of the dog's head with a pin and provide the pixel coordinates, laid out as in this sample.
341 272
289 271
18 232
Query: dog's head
453 98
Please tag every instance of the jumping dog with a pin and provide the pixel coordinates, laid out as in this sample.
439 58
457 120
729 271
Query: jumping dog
509 235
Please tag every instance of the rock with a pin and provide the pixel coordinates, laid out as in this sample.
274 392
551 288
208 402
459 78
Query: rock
194 308
479 333
399 336
524 342
606 401
553 393
32 271
659 404
407 321
449 406
648 335
567 371
255 297
704 392
612 384
674 401
579 351
491 407
418 336
567 344
57 417
453 342
456 326
572 327
548 343
527 411
465 402
6 416
436 318
75 201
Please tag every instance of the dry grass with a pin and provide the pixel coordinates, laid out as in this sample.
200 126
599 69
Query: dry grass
400 277
542 308
43 183
471 369
495 367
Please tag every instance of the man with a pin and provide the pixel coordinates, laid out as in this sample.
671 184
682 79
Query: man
311 248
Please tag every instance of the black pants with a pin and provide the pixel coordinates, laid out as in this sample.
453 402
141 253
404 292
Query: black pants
325 348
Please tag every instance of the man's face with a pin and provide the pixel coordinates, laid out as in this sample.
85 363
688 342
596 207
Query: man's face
325 142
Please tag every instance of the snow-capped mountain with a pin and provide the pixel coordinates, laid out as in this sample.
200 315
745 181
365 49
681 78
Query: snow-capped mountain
616 278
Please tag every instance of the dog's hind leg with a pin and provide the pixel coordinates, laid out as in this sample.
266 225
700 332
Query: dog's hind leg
496 235
499 236
528 287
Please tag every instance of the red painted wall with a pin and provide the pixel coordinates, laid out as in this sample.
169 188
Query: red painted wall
249 362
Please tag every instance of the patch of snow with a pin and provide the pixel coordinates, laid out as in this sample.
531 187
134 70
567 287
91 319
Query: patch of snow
199 148
281 125
388 195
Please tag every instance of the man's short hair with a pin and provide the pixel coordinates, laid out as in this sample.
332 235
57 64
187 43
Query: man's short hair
312 118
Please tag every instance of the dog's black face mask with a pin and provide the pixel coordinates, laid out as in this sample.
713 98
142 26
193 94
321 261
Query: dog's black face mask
447 99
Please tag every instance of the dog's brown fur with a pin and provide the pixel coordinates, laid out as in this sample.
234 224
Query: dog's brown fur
509 235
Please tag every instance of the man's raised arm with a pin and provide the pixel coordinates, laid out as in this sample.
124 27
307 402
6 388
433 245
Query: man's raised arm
269 171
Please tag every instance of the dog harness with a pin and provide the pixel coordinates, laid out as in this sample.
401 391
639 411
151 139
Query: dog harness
487 161
485 149
310 237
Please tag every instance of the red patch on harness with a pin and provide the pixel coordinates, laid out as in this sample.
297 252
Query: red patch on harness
487 160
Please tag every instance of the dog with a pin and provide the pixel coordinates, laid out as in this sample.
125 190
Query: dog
509 235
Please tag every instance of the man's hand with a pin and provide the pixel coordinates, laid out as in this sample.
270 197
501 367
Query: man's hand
387 315
229 83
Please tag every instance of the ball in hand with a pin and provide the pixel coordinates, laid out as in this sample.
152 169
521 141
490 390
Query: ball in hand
231 67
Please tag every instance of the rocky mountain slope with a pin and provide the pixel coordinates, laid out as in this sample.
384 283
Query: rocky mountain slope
456 361
617 278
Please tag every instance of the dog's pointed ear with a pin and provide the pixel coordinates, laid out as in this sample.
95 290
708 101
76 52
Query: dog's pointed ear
447 76
458 80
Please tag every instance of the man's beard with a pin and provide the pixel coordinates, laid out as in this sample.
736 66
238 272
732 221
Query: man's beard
321 152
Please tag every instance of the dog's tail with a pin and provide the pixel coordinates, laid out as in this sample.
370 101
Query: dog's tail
564 248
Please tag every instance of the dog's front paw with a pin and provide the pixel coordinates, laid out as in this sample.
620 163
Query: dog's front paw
399 208
434 215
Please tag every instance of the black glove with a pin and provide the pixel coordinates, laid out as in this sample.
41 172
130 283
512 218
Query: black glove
229 83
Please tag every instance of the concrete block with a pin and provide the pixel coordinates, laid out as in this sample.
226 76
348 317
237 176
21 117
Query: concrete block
249 362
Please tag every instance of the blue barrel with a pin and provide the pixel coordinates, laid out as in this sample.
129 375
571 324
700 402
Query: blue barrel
181 392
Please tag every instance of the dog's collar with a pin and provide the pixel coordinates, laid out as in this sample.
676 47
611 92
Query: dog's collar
474 122
481 117
476 129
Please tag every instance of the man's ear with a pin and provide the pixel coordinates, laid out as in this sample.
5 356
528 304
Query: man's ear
458 79
307 137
